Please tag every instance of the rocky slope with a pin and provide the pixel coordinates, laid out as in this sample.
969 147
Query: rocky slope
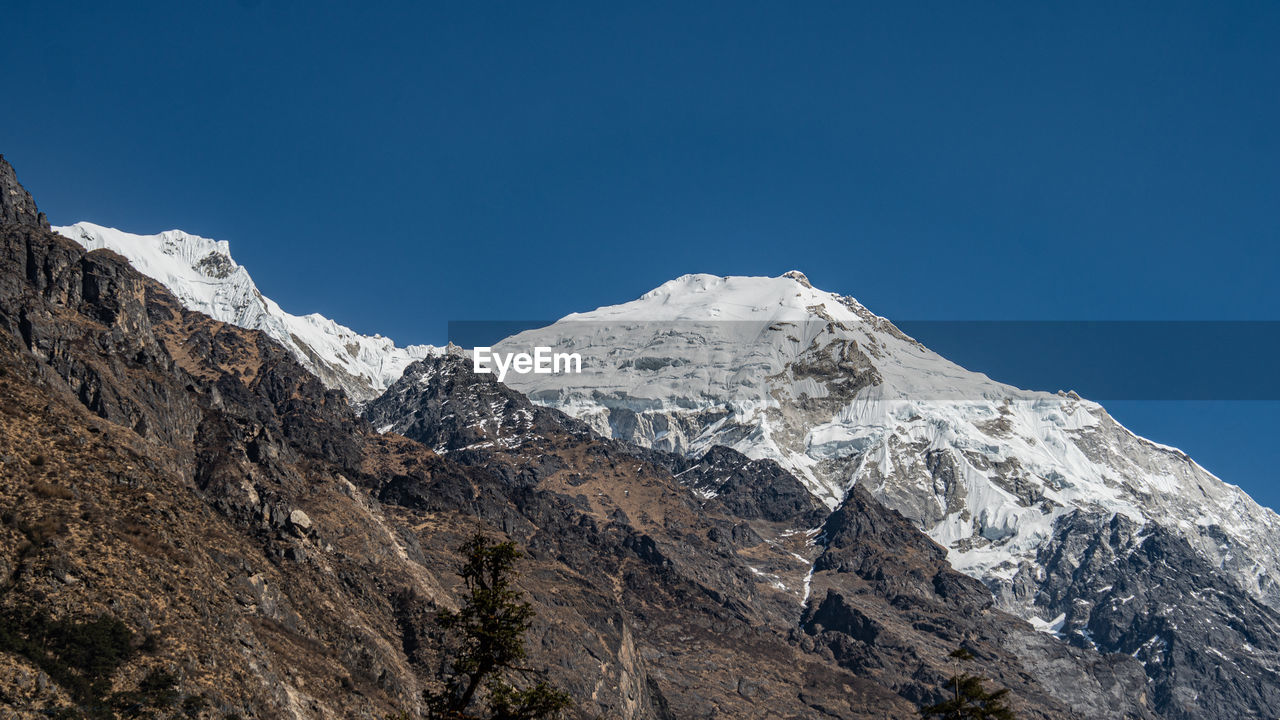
16 205
181 496
728 525
1142 590
188 481
203 276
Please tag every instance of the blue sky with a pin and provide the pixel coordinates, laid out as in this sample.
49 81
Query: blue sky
401 166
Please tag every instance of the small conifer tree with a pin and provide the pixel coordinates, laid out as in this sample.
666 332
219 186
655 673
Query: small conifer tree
488 630
969 699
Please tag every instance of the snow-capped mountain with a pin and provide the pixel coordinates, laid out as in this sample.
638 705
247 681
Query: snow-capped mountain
1101 537
775 368
202 274
778 369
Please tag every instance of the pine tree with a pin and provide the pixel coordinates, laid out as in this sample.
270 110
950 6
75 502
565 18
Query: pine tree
489 631
969 699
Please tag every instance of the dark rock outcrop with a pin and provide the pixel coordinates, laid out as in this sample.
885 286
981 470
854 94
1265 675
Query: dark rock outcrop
1143 591
16 205
889 598
752 489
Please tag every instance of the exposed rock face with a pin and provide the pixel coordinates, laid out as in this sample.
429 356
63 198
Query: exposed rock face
881 582
1143 591
749 489
151 461
16 205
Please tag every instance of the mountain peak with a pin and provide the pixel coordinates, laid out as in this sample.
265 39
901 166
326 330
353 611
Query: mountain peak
16 204
798 277
202 274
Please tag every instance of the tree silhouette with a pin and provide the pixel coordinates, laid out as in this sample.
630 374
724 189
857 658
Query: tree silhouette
489 632
969 700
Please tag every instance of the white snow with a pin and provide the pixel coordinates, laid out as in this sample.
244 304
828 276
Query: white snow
1053 627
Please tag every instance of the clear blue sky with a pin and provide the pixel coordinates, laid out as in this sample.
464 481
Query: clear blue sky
398 168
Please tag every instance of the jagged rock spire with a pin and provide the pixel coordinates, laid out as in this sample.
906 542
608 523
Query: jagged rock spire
16 205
